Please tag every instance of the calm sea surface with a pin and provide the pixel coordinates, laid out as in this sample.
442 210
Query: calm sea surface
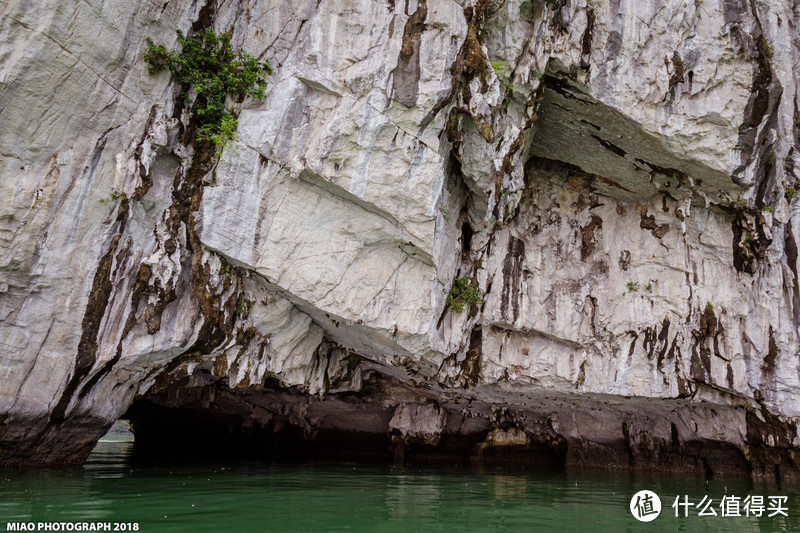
354 497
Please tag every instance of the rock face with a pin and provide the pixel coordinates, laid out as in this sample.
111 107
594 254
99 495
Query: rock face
615 176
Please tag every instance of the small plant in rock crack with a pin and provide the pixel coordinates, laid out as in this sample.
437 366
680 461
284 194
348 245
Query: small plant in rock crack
241 308
113 198
699 7
768 48
496 13
446 214
709 306
789 194
462 292
501 70
633 286
209 69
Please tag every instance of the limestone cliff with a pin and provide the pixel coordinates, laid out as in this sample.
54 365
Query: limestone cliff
616 176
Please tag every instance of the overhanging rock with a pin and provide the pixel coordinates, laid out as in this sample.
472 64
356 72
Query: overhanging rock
627 162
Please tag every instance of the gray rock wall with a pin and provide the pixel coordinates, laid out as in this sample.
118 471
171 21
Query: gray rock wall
614 176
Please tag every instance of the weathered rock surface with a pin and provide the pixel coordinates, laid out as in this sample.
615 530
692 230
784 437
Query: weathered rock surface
617 177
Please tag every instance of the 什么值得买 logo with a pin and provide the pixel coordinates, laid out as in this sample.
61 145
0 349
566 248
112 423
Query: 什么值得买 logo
645 506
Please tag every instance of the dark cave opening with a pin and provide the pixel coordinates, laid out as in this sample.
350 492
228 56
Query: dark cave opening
179 436
186 435
466 239
212 423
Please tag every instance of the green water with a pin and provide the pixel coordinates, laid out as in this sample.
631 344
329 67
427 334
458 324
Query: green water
354 497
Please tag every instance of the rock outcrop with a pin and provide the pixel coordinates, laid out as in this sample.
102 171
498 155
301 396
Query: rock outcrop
616 177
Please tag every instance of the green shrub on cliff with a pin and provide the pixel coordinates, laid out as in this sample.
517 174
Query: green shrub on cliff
209 69
462 292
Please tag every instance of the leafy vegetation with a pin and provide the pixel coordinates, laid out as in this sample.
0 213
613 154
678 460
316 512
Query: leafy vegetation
113 198
219 134
633 286
463 292
446 214
241 308
503 75
209 69
770 50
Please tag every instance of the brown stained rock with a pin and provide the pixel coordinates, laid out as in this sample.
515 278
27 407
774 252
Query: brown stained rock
99 296
588 34
220 368
771 446
625 259
705 340
475 61
588 236
471 367
146 178
677 75
512 278
648 222
768 368
750 240
406 75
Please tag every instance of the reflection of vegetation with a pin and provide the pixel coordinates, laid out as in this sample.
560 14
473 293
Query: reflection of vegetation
462 292
209 70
